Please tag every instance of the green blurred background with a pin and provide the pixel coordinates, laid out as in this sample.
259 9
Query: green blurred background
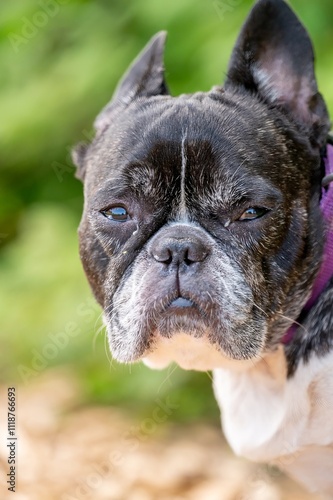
59 63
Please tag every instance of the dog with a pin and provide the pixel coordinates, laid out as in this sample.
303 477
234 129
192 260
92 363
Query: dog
207 237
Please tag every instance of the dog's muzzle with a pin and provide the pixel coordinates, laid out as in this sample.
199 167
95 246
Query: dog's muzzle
184 299
180 252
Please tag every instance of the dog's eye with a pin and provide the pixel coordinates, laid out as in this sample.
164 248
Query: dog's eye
253 213
118 214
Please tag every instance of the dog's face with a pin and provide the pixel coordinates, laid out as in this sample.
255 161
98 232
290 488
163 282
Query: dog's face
201 231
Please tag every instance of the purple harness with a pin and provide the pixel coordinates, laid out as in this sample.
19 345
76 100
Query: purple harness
326 270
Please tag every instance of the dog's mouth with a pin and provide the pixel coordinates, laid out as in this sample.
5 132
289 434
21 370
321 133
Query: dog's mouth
197 326
181 304
182 307
182 333
181 314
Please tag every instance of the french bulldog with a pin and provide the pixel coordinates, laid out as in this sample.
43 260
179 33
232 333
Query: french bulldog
207 237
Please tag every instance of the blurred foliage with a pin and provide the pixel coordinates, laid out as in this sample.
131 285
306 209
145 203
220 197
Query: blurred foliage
60 61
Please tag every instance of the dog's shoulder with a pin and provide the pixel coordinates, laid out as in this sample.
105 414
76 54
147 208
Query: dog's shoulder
268 415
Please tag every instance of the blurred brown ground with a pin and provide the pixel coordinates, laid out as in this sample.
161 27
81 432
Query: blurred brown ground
68 452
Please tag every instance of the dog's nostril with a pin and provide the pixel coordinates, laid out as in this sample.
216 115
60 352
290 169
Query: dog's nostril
195 254
164 256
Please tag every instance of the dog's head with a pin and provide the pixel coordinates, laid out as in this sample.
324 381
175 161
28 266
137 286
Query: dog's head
201 232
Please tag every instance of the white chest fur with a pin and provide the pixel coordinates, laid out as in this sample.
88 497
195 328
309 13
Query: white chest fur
267 417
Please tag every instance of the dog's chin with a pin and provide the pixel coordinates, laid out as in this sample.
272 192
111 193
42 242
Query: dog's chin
186 340
182 337
190 353
190 338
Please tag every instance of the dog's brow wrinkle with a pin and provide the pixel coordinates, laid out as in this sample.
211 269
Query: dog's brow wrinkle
182 209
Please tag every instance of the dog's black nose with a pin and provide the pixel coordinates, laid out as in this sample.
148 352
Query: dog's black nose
179 251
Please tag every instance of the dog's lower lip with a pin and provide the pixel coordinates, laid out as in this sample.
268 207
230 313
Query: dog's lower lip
181 302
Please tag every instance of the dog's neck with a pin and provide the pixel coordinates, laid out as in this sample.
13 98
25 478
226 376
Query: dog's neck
326 270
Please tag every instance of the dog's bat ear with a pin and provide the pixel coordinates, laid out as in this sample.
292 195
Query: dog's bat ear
78 157
144 78
273 58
